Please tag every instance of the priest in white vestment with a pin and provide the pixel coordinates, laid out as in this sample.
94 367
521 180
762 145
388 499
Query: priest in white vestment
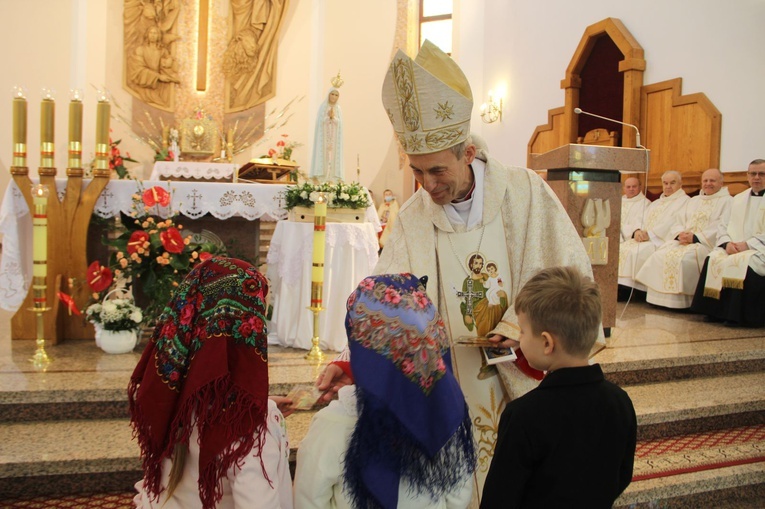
634 204
732 284
471 212
672 272
659 219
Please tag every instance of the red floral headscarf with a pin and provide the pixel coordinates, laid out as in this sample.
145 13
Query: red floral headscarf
205 366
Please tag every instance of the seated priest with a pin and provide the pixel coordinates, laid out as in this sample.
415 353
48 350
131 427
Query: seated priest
672 272
659 219
732 283
634 204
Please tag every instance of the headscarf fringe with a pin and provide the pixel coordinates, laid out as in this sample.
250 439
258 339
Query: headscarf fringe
386 441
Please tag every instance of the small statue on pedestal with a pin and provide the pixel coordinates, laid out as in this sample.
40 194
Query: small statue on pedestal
327 160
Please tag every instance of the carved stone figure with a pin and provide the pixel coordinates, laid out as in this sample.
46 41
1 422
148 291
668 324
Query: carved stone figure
150 67
250 58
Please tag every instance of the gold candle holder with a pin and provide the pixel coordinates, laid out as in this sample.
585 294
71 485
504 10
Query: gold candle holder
317 274
40 360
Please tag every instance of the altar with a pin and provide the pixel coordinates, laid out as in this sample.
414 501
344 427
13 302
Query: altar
192 200
350 256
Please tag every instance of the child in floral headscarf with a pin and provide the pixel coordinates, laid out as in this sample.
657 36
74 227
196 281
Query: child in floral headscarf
401 436
199 406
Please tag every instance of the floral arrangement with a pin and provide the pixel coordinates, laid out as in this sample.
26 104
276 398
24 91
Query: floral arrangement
151 251
117 161
339 195
115 315
283 149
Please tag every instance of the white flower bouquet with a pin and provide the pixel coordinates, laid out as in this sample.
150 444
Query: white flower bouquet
115 315
338 195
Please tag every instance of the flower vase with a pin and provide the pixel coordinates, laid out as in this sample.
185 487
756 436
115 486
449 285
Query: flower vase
117 341
99 330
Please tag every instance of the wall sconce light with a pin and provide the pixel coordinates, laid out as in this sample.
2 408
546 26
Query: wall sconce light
491 111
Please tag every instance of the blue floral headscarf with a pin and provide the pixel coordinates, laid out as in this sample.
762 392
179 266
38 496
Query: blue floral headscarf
413 420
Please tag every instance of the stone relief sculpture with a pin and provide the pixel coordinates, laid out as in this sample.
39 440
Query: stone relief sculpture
151 70
249 62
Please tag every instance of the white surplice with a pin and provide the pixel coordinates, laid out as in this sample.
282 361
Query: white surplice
633 214
537 234
672 272
746 223
660 217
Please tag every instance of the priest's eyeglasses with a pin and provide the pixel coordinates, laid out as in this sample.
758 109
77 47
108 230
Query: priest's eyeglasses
756 174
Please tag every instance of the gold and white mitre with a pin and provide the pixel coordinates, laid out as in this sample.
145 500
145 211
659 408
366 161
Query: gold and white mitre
428 100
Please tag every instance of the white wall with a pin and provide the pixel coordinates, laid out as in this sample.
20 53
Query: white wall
716 47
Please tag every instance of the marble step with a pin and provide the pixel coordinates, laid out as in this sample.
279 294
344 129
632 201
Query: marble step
629 365
87 383
739 487
701 404
83 456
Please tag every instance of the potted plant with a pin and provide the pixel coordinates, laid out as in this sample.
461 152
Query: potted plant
116 322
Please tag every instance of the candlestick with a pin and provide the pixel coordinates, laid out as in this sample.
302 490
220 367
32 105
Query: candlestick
47 131
19 128
40 195
317 273
75 130
103 112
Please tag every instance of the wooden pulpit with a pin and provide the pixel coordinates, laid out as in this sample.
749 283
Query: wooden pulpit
587 181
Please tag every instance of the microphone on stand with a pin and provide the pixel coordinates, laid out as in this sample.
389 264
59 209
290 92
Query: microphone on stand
579 111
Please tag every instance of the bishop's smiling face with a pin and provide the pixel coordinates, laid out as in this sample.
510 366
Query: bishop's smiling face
445 177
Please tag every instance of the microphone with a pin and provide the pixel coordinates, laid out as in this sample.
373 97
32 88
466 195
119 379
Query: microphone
579 111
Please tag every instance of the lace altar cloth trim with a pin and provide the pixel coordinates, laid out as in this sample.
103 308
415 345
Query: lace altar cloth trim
286 253
191 170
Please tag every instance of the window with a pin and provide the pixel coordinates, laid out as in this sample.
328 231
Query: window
436 23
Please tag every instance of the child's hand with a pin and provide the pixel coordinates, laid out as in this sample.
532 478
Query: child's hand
503 342
284 404
330 381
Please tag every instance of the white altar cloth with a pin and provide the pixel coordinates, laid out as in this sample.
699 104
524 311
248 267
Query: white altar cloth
193 170
350 256
191 199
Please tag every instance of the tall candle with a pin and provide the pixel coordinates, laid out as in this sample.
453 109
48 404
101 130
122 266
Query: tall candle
319 225
47 122
40 233
103 111
19 130
75 132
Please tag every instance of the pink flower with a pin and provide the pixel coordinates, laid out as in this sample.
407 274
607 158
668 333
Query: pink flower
392 296
187 313
367 284
407 366
440 366
421 299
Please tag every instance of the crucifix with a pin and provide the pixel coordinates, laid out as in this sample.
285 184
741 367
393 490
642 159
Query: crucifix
469 295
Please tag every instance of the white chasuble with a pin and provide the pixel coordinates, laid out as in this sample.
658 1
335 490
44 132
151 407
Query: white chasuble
672 272
476 288
660 217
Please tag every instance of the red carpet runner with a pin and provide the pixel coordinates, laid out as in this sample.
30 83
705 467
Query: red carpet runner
663 457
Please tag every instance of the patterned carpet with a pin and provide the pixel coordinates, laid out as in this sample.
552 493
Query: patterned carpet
700 451
110 501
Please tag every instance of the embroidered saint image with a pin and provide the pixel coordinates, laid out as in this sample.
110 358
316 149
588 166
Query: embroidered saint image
484 299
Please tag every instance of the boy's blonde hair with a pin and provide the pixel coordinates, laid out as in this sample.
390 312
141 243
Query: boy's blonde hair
563 302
